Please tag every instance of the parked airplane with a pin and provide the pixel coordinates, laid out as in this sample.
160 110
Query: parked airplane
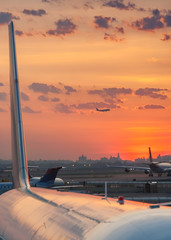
154 167
158 167
37 213
49 180
102 110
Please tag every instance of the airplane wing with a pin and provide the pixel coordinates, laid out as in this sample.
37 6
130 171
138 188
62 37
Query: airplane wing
35 213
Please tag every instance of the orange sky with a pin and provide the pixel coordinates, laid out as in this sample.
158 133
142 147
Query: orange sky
74 56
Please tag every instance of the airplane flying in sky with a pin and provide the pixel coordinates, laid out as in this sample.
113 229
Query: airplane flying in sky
38 213
153 167
103 110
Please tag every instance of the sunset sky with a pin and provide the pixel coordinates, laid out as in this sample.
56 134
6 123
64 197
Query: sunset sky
76 55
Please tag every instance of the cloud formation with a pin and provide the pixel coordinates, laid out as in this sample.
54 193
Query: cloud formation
167 20
63 108
151 23
29 110
19 33
111 92
6 17
113 38
38 13
44 88
29 34
166 37
3 96
88 6
120 30
50 1
115 91
151 107
24 97
152 92
119 4
69 90
55 100
94 105
43 98
63 27
2 110
103 22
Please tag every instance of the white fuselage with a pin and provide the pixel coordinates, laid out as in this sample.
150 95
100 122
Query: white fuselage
160 167
35 182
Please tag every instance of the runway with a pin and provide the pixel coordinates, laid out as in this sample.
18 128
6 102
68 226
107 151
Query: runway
108 174
133 185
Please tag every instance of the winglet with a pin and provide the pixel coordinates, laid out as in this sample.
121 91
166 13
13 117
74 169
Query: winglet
150 156
19 160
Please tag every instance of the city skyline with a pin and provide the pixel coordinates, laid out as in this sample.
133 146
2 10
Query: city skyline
76 56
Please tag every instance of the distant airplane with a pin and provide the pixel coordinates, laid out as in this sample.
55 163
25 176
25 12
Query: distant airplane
154 167
102 110
49 180
159 167
37 213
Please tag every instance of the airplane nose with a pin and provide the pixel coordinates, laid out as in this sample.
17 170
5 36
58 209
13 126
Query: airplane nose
153 224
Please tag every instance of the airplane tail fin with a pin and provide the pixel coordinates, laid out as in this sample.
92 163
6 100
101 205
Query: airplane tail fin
50 175
150 155
19 160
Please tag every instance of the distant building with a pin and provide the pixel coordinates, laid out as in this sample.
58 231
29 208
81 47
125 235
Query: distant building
166 158
82 159
140 160
104 159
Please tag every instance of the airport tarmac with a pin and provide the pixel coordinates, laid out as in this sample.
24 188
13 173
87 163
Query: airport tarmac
109 175
88 174
133 185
